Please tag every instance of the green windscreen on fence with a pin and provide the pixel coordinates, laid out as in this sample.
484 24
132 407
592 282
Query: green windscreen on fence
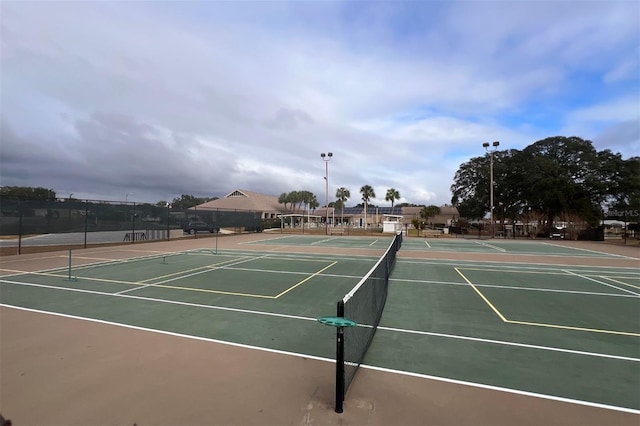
94 221
22 217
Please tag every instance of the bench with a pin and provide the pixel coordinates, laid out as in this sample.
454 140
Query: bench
336 232
135 236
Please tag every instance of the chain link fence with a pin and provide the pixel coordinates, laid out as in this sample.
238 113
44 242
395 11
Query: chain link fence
86 222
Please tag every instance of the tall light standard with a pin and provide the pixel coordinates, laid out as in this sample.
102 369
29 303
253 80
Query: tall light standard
70 195
491 151
326 158
126 204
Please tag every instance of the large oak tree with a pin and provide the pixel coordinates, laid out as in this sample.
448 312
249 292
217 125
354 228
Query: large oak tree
554 177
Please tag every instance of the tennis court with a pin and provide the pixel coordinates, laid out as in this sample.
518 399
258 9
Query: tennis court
558 323
440 245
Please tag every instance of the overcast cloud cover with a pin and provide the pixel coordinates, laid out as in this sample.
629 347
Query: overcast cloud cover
158 99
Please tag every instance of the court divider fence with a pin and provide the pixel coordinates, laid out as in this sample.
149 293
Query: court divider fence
89 222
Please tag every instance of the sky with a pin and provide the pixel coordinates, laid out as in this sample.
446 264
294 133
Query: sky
144 101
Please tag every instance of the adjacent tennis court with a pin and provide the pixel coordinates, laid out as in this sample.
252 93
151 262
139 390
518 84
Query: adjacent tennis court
529 319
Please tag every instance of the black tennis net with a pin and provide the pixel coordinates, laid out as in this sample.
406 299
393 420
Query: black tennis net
364 305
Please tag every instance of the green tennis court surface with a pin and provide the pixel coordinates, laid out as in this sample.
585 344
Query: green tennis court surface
438 244
562 331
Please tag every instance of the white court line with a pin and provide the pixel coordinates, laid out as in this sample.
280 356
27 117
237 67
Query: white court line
601 282
482 243
322 241
427 243
267 239
151 299
620 282
508 287
246 311
519 265
590 251
306 356
502 342
500 389
373 243
202 271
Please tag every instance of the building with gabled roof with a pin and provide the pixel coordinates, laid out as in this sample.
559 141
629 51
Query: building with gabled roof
376 215
244 200
270 208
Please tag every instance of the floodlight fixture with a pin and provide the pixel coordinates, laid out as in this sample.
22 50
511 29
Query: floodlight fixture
491 151
326 158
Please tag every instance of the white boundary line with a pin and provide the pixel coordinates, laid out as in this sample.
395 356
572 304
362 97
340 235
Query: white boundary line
151 299
520 345
500 249
500 389
273 314
589 251
600 282
496 264
386 370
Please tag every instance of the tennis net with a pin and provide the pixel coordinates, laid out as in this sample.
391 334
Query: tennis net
364 305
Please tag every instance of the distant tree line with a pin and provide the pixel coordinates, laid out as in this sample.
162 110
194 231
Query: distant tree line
44 194
185 201
557 177
28 193
109 211
295 199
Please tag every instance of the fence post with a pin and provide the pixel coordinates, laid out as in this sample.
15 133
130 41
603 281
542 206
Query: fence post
20 227
133 223
86 221
168 225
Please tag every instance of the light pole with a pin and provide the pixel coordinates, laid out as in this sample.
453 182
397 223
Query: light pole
126 204
491 151
70 195
326 158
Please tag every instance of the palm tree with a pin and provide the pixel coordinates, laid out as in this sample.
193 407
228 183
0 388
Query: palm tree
367 194
339 204
392 195
313 202
295 199
284 199
310 201
342 194
428 212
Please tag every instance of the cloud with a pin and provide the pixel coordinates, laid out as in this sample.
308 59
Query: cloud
623 137
160 99
288 119
618 109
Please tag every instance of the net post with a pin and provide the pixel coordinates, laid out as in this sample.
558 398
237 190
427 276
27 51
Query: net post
70 277
340 361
